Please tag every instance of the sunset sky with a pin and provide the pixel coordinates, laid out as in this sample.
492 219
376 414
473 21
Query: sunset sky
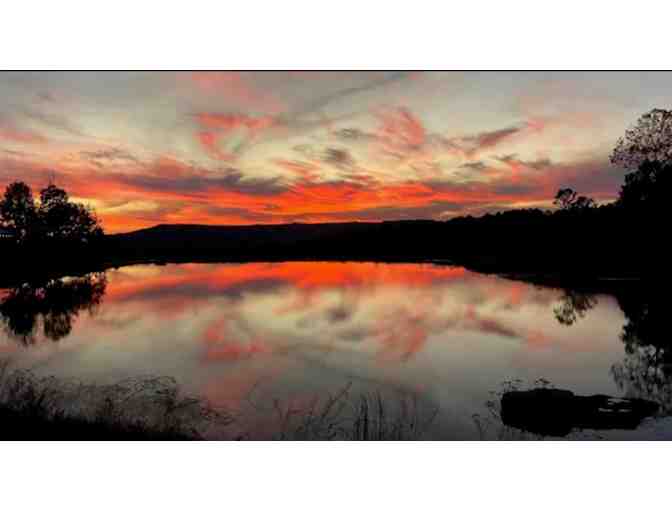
272 147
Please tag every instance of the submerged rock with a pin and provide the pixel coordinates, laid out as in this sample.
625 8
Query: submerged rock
554 412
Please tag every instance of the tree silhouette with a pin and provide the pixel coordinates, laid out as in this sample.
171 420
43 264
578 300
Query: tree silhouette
17 209
53 304
650 140
64 220
646 150
568 200
564 198
56 218
647 189
52 196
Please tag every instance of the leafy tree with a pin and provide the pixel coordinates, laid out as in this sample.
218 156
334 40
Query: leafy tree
650 140
17 209
52 196
564 198
646 149
56 218
64 220
648 186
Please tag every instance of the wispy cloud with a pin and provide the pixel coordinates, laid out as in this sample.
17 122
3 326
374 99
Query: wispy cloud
246 147
109 156
10 132
53 121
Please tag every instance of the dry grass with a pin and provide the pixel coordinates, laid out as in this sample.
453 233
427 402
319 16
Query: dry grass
153 408
342 416
34 407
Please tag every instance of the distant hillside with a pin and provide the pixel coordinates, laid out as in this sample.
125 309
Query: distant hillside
524 241
296 240
597 243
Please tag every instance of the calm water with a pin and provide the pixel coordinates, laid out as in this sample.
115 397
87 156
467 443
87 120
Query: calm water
289 331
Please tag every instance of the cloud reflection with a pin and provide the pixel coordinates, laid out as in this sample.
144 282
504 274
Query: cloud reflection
304 327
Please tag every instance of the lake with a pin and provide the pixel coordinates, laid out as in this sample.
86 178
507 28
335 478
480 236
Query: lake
266 335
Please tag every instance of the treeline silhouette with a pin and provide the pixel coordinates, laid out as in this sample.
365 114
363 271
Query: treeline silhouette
578 239
602 241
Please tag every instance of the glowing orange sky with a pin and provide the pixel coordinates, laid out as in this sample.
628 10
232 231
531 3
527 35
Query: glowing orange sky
241 148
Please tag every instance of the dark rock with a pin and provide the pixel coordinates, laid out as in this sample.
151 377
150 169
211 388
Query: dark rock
553 412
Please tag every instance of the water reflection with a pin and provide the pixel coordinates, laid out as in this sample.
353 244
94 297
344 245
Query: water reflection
291 331
646 370
49 307
574 306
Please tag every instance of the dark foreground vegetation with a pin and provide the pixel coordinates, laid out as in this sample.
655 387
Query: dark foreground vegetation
155 408
46 408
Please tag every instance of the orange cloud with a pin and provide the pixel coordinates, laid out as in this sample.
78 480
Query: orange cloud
300 190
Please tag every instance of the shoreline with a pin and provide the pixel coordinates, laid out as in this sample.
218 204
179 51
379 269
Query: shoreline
551 276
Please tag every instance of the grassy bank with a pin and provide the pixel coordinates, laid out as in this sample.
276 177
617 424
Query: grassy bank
150 408
155 409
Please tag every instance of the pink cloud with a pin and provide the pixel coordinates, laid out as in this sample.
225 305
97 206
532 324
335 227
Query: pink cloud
221 125
400 131
235 86
14 135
